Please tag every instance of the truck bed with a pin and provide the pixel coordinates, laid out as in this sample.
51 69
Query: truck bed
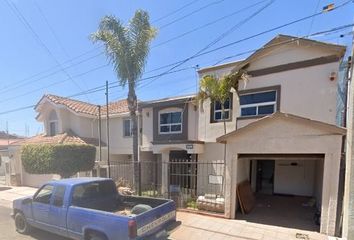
108 214
119 204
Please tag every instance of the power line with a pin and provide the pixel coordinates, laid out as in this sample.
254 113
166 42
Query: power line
175 11
51 85
51 29
207 24
272 29
259 34
335 30
159 75
115 84
191 13
30 81
55 67
313 18
153 70
24 21
78 75
219 38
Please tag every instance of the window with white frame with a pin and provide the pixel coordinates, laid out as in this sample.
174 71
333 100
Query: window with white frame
170 122
259 103
127 128
218 113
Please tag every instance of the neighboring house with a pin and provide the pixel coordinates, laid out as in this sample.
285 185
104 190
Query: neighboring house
5 166
170 134
71 121
282 134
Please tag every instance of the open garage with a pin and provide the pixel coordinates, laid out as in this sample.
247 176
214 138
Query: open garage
291 163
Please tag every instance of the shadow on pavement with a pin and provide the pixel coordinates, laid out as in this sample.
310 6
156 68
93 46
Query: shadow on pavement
43 235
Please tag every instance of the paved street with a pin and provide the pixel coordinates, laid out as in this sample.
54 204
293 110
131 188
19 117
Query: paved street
7 229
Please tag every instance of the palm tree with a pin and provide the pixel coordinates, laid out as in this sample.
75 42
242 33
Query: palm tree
127 48
218 89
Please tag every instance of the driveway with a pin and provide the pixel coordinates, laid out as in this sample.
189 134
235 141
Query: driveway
195 226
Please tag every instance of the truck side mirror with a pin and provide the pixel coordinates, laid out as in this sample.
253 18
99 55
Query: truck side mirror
27 201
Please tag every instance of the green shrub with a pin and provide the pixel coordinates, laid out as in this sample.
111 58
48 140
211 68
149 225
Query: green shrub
62 159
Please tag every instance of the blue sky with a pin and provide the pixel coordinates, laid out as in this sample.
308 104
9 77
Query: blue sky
62 30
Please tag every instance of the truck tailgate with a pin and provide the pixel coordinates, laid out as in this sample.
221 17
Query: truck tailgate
156 219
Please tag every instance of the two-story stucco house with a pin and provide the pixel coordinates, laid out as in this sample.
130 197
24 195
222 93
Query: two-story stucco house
67 120
281 127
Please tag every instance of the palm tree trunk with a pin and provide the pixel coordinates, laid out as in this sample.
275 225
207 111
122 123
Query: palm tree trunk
223 117
132 105
224 120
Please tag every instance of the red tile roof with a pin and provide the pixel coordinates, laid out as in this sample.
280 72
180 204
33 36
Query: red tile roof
64 138
77 106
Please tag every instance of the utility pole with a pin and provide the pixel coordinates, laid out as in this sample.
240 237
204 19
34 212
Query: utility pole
7 134
107 113
348 203
99 133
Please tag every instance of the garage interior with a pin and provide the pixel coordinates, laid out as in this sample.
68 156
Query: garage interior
287 189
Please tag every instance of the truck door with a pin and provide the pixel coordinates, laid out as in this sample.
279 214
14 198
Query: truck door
41 206
58 210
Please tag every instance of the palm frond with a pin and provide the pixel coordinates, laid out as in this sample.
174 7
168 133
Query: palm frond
140 35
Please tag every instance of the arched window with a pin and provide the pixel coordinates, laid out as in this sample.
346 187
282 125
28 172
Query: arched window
53 123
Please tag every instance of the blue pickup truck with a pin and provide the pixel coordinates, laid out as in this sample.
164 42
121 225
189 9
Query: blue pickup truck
92 209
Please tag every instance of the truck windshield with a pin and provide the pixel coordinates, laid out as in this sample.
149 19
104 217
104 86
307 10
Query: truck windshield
92 190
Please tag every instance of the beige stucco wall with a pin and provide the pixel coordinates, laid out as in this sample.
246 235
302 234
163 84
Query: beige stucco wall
288 53
208 131
298 180
148 118
88 127
348 203
211 163
192 122
118 143
147 134
306 92
288 137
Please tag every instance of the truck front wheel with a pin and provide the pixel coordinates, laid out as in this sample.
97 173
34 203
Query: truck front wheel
96 236
21 223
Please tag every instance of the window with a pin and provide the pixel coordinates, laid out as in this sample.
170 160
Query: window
53 123
44 195
127 128
53 128
58 197
261 103
170 122
86 193
217 114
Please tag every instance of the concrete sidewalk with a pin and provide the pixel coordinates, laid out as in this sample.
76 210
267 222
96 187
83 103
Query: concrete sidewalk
195 226
12 193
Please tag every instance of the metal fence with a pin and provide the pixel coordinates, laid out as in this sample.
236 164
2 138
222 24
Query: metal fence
191 184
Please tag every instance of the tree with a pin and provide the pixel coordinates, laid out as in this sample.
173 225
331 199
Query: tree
127 48
62 159
218 89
